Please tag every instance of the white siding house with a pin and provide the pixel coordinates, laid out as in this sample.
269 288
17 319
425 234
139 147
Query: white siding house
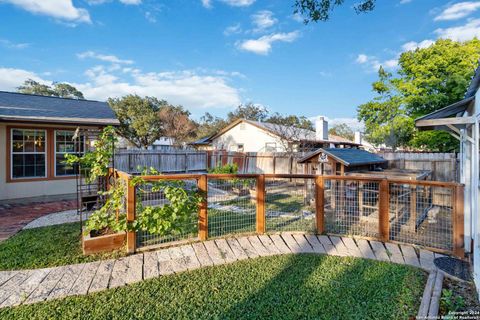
253 136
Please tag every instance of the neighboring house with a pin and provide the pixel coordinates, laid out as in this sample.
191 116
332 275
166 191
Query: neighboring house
161 144
461 120
253 136
35 134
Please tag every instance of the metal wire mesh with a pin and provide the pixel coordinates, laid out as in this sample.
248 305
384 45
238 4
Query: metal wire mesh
421 215
352 207
147 196
290 205
231 206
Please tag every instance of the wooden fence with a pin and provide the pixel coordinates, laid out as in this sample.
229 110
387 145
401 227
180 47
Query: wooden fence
426 213
164 161
444 166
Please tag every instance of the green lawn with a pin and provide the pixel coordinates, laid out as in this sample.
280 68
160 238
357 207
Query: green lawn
45 247
279 287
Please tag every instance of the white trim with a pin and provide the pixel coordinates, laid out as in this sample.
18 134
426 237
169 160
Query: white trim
45 153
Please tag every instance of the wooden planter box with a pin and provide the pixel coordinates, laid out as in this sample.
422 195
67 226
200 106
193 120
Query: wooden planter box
109 242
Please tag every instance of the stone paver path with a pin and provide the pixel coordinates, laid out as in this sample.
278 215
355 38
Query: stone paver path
30 286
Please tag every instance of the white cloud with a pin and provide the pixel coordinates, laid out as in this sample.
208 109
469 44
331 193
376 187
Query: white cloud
373 63
13 45
362 58
11 78
131 2
150 17
63 10
103 57
405 1
234 29
458 11
412 45
233 3
263 19
238 3
207 3
192 89
189 88
461 33
263 45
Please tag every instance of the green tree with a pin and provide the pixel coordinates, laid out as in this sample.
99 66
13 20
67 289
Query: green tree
209 125
427 79
176 124
291 121
320 10
57 89
248 111
139 119
342 130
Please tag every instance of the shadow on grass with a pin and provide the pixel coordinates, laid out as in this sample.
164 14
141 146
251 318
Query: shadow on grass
332 288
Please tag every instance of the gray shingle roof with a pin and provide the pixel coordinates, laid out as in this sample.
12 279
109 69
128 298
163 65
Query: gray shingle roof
35 108
349 157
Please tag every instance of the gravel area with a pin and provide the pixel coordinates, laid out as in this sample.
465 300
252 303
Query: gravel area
53 219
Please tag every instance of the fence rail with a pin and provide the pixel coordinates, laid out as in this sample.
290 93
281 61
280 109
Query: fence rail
425 213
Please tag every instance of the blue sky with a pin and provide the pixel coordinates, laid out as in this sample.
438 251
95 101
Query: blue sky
211 55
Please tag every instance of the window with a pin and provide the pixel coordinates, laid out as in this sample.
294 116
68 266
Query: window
240 147
65 144
28 153
270 147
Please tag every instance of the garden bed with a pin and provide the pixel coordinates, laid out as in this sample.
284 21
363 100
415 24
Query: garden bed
277 287
103 243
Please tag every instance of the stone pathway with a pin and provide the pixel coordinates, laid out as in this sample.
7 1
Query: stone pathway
14 217
52 219
30 286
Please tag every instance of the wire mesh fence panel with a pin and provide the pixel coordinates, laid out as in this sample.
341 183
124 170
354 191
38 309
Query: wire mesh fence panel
422 215
290 205
231 206
351 207
157 195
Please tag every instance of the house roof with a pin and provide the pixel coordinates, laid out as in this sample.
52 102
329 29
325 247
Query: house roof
297 134
346 156
20 107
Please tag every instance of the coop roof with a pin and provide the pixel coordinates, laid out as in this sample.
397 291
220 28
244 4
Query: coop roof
348 157
20 107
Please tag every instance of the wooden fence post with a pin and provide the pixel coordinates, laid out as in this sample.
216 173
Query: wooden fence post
203 208
384 208
131 235
260 223
458 222
319 204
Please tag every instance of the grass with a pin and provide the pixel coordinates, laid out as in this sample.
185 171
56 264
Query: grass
279 287
45 247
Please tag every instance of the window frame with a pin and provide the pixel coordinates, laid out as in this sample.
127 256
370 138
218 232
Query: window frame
11 154
55 152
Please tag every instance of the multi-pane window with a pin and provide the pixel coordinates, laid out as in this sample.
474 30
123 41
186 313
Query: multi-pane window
66 143
28 153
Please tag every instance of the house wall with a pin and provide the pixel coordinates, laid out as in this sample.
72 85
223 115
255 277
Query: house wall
253 139
17 189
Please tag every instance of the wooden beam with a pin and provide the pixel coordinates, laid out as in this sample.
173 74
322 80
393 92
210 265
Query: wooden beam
203 208
444 121
260 223
458 222
319 204
131 235
384 211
